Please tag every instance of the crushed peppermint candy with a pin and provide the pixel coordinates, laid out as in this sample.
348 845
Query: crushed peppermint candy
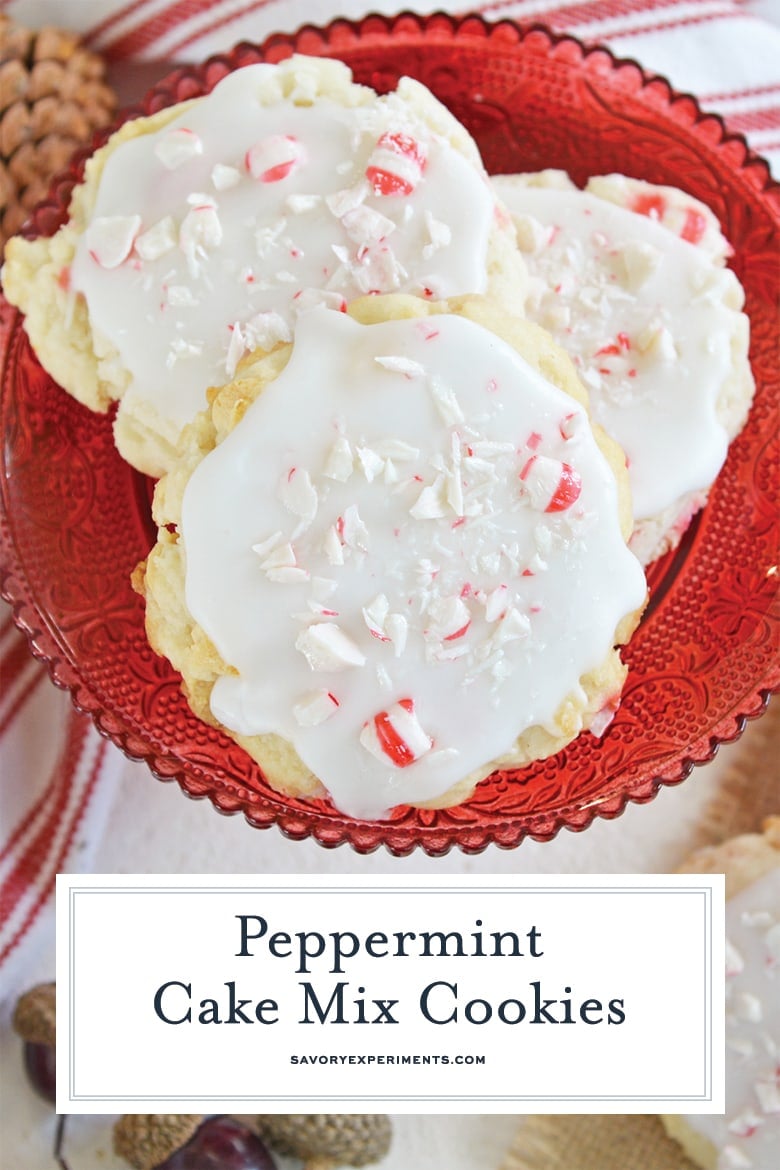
375 614
224 177
281 565
745 1123
396 735
604 271
734 961
160 238
439 235
315 708
327 647
352 530
366 225
552 486
298 494
401 365
396 164
274 158
199 232
110 238
448 618
178 146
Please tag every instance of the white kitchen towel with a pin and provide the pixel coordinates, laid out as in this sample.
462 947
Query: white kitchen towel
59 777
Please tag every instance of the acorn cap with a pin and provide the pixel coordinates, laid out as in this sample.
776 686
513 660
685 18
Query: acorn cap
327 1140
35 1015
146 1140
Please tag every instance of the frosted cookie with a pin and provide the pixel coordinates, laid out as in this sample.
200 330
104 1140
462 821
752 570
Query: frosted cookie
199 233
748 1136
393 557
630 280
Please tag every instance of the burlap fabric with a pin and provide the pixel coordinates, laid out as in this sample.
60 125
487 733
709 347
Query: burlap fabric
748 790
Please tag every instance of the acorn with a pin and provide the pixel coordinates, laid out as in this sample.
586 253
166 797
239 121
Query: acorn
35 1020
53 96
187 1141
325 1141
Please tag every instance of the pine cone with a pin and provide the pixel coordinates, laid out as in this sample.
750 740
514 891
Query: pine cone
328 1140
52 99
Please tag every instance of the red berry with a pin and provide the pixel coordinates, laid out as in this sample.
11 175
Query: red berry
221 1143
40 1066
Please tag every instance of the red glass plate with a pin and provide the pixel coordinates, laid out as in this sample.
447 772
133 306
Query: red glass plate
75 518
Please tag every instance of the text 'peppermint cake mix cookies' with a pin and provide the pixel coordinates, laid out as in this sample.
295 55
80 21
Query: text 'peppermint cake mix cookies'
748 1136
393 556
200 232
630 280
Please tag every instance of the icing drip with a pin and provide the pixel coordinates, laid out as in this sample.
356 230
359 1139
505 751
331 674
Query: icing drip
648 320
209 235
749 1133
397 600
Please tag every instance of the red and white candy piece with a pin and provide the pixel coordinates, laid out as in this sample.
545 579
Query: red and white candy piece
315 708
157 240
396 164
375 615
281 564
312 298
224 177
200 230
386 626
340 461
745 1123
681 217
298 494
274 158
734 961
551 485
110 238
325 646
365 225
177 147
396 735
496 603
571 425
450 618
351 529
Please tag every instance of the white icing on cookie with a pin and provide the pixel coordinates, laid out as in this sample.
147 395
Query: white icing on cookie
409 550
749 1133
651 323
208 235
